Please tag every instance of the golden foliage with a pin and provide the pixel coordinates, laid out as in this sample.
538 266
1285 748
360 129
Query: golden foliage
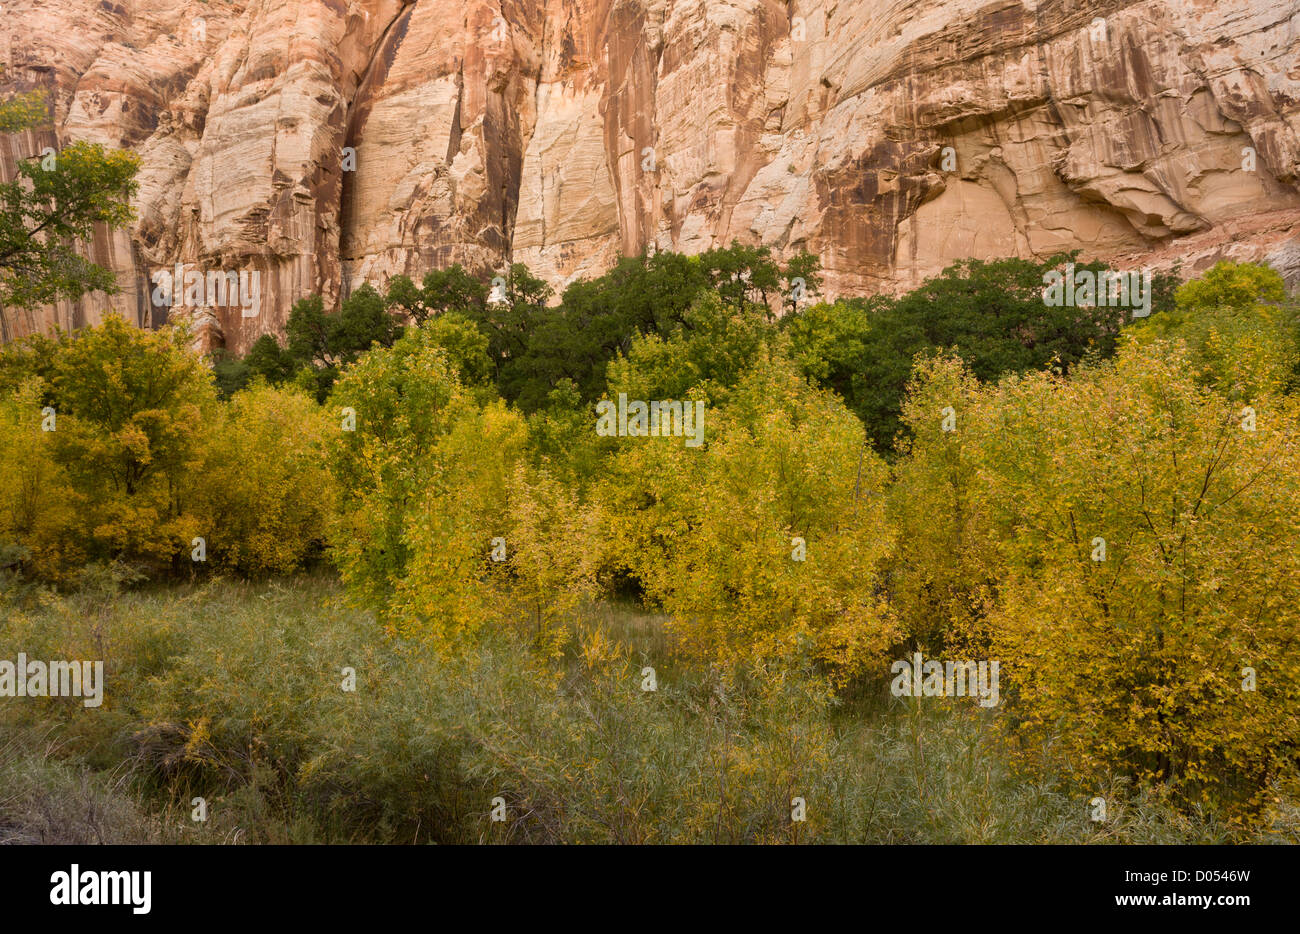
266 492
1124 541
712 531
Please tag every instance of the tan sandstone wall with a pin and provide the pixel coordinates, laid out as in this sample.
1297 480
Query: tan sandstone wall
561 133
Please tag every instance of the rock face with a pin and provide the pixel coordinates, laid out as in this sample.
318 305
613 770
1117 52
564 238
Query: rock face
323 143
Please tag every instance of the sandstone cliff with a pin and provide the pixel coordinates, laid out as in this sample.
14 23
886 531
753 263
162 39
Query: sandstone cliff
329 142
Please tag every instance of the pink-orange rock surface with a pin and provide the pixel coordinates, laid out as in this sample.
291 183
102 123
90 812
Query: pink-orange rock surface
325 143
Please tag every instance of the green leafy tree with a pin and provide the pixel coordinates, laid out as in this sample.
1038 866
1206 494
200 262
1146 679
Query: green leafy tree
230 372
309 332
992 314
363 320
267 359
829 343
744 277
510 314
53 204
597 319
804 272
321 343
28 358
442 291
465 345
712 348
535 346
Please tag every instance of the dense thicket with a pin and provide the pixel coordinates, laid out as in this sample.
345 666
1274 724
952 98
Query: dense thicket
1106 507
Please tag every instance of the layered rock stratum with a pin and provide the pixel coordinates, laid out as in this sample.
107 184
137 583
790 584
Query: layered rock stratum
325 143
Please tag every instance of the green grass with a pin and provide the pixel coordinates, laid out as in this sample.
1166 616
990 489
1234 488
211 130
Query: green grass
232 691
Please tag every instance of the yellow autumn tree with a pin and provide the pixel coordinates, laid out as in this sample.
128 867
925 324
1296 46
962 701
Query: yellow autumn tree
444 524
132 409
946 566
1242 333
40 532
385 417
266 493
554 550
1138 531
763 544
458 535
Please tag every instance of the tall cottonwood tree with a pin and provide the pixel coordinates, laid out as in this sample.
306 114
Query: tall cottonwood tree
54 203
